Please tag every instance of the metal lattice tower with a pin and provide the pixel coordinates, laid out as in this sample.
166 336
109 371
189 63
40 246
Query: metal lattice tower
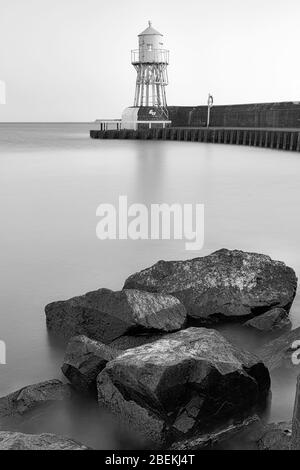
151 62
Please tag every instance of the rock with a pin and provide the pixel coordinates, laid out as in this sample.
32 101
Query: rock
169 389
23 400
295 441
277 436
19 441
105 315
133 341
209 440
224 285
275 319
84 360
282 351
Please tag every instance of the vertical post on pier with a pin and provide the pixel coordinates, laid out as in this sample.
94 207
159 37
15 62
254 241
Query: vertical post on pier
210 103
295 442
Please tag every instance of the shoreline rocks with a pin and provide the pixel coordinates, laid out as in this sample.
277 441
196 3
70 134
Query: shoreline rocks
21 441
32 396
171 387
105 315
224 285
163 379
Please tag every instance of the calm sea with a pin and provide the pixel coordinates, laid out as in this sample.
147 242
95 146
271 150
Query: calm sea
52 179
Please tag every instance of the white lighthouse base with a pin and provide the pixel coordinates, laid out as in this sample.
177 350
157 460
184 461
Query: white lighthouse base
143 117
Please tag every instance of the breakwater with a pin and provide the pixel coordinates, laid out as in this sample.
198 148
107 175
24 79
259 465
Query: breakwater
284 115
281 139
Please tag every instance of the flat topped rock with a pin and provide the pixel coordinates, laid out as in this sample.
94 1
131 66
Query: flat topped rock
32 396
20 441
105 315
225 284
173 385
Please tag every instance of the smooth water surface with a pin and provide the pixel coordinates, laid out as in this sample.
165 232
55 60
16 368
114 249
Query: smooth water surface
52 179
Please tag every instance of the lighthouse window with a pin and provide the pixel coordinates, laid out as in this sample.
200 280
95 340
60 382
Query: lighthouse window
150 47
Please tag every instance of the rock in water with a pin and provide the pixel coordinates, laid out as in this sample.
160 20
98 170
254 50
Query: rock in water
19 441
277 436
84 360
282 352
170 388
18 403
275 319
225 284
105 315
210 440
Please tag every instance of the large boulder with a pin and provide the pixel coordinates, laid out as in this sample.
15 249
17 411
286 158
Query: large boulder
226 284
19 441
105 315
84 360
170 388
32 396
282 352
275 319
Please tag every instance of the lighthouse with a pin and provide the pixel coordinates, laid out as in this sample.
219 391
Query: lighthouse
150 61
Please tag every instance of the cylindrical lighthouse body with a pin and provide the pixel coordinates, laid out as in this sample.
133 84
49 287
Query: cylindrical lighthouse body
150 46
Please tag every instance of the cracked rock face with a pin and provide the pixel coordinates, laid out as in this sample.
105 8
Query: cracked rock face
20 441
225 284
27 398
84 360
169 388
105 315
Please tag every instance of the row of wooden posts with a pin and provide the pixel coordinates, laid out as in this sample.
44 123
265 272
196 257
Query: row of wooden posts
283 139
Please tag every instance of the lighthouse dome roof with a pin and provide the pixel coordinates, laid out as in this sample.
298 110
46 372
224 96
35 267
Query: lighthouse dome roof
150 31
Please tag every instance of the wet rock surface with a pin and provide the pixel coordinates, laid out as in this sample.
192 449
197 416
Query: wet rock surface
84 360
280 352
169 388
105 315
226 284
276 436
32 396
211 439
20 441
275 319
133 341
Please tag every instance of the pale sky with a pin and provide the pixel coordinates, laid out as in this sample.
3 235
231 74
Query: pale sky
69 60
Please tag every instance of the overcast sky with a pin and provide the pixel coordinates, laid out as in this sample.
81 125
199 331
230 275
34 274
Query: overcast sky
69 60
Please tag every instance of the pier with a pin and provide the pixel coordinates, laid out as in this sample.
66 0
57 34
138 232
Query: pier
280 139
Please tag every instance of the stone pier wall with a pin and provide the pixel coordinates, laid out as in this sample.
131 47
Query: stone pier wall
262 115
281 139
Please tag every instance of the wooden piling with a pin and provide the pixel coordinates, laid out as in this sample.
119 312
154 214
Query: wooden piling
282 139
